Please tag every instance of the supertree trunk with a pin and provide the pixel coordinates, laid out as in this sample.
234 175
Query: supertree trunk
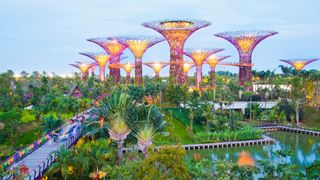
198 76
185 75
102 74
138 71
115 72
245 74
85 76
156 76
176 69
128 78
213 77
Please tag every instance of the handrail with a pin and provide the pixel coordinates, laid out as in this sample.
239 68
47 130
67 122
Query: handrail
16 157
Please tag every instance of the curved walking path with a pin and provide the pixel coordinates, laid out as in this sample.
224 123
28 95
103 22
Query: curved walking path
40 159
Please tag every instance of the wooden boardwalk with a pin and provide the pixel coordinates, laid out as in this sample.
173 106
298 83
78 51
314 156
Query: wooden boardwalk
264 140
40 159
290 129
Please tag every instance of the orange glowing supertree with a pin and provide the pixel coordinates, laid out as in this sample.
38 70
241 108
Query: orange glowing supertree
113 48
245 42
212 61
101 59
138 45
84 68
127 67
176 32
156 66
298 64
199 56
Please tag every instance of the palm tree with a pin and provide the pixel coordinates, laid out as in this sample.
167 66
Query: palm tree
145 136
115 109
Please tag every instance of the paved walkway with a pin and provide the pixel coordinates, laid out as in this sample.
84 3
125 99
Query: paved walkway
39 160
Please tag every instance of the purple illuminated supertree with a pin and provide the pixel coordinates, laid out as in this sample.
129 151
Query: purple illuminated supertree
113 48
199 56
101 59
138 45
176 32
84 68
298 64
212 61
245 42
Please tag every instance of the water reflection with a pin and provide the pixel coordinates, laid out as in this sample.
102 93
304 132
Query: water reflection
303 147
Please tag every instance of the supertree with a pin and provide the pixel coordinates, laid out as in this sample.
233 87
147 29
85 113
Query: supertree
186 66
113 48
298 64
245 42
176 32
101 59
156 66
84 68
138 45
127 67
212 61
199 56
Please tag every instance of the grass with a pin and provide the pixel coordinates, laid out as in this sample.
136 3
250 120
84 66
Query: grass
28 137
182 115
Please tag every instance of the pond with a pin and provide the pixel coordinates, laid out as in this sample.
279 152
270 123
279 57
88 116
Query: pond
304 147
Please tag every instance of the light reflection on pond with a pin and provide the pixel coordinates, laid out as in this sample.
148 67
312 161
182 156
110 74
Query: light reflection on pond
304 148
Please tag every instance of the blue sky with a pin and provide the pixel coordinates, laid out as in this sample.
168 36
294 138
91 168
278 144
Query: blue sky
46 35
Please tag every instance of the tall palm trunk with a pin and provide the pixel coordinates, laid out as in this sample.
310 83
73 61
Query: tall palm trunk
120 152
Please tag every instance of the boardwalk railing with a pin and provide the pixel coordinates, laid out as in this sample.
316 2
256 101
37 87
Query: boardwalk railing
289 129
6 165
43 166
265 140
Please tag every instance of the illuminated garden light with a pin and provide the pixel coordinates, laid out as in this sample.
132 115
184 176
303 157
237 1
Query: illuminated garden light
212 61
138 45
101 60
199 56
113 48
245 42
299 64
156 66
176 32
84 68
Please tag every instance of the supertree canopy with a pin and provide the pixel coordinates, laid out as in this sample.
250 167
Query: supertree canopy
298 64
245 42
176 32
212 61
84 68
138 45
101 60
156 66
199 56
113 48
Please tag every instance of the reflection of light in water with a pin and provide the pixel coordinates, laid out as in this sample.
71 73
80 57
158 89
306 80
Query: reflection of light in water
245 159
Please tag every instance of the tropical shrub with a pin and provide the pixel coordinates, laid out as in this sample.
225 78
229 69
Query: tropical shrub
246 133
27 116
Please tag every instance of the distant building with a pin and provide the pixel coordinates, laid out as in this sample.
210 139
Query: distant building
75 92
256 87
